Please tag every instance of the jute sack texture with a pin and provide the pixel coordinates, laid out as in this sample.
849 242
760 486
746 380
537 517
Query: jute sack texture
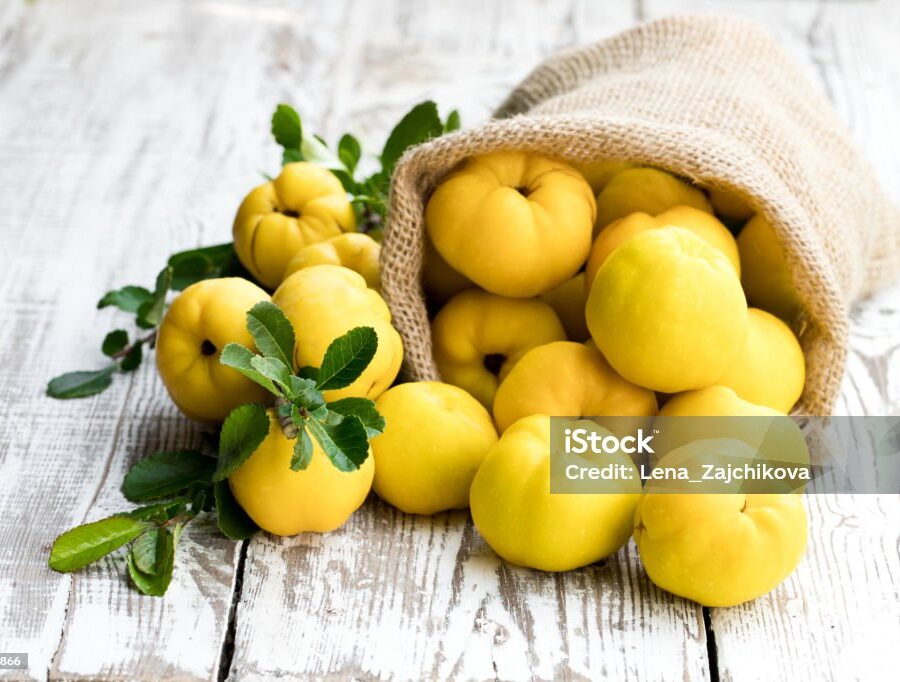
716 101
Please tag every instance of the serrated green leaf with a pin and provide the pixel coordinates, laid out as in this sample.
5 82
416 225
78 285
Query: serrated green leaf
80 384
83 545
291 155
114 342
164 474
272 332
243 431
345 443
133 358
239 358
195 265
304 392
156 584
453 122
303 451
232 520
150 312
421 123
349 152
272 368
347 358
143 551
128 298
161 511
364 409
287 129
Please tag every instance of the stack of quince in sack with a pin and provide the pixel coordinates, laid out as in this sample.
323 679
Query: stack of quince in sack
603 290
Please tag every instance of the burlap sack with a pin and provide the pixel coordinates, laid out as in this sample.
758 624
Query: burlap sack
712 99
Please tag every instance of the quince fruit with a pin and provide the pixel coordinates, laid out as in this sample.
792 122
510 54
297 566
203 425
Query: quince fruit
700 223
764 270
353 250
770 370
435 438
478 337
567 379
730 205
516 224
319 498
303 205
718 549
524 523
324 302
667 311
200 322
440 280
599 173
645 190
568 300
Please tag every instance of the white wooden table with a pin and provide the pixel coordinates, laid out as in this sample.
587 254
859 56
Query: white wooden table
129 130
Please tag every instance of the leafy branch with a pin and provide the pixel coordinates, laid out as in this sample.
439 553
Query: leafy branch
148 307
175 487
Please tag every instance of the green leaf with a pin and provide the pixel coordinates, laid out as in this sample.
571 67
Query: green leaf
347 358
364 409
452 122
161 511
80 384
127 298
304 392
238 357
150 312
272 369
82 545
303 451
314 150
291 155
243 431
156 584
143 551
345 443
349 152
420 124
194 265
272 332
133 358
233 521
287 128
164 474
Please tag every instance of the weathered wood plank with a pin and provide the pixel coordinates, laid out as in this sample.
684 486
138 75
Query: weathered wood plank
394 596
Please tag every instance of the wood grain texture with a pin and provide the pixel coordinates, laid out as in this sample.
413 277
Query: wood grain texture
131 130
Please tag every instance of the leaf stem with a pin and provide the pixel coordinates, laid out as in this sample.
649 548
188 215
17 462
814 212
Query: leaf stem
149 338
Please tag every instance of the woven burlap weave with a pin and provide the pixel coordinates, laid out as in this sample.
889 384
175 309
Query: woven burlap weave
714 100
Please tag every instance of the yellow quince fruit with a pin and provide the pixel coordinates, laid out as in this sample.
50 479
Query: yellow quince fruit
305 204
599 173
478 337
319 498
200 322
524 523
324 302
441 281
764 270
770 370
435 438
568 379
516 224
353 250
730 205
718 549
645 190
568 300
703 224
667 311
